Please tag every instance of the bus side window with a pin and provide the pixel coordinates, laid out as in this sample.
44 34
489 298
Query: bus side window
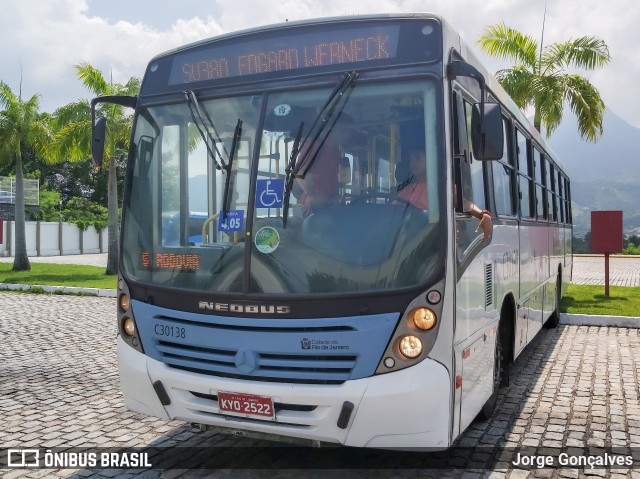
525 177
541 194
473 179
553 193
468 174
567 194
503 176
461 150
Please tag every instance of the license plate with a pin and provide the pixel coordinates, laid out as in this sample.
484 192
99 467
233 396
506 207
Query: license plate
248 405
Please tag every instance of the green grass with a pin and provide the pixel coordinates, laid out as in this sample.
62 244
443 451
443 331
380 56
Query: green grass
59 275
581 299
578 299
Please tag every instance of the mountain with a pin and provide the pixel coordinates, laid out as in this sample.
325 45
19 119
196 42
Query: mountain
604 175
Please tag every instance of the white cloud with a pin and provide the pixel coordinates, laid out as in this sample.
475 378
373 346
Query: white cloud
49 36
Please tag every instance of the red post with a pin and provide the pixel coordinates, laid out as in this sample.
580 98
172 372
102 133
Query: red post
606 274
606 237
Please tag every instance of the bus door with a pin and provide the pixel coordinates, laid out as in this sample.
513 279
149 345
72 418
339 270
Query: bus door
474 290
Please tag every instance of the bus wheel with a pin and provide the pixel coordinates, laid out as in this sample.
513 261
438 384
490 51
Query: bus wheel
554 319
498 360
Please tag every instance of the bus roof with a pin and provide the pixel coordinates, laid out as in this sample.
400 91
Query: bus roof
297 23
456 41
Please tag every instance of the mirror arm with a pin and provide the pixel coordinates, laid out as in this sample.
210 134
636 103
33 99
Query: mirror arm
458 68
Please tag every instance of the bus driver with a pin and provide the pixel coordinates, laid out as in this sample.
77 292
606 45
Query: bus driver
414 191
320 184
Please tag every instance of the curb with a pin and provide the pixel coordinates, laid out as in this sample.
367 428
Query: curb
604 321
105 293
611 256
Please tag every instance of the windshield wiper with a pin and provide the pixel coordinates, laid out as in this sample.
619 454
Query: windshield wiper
327 117
288 182
324 122
205 129
232 155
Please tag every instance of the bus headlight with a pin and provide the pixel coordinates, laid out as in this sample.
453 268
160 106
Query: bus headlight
416 331
126 318
129 327
411 346
424 318
125 302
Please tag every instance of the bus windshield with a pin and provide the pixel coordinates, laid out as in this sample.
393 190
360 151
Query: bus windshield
361 182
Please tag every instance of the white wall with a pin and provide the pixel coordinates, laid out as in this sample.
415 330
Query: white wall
50 246
44 239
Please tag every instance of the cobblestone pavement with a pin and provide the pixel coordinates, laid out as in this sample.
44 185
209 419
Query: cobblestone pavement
575 386
623 270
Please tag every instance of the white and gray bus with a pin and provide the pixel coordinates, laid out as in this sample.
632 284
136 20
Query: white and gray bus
372 321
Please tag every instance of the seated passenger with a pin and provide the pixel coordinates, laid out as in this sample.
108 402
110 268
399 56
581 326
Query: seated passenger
414 190
320 184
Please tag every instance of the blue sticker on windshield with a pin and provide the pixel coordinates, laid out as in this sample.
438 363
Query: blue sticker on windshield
269 193
233 221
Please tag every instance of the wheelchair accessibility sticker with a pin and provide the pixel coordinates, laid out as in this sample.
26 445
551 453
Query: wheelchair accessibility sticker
233 221
270 193
267 239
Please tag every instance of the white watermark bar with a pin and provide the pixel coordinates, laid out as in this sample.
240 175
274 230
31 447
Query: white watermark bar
71 459
282 456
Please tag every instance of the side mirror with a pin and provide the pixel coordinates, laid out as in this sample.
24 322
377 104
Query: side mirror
98 128
487 135
97 141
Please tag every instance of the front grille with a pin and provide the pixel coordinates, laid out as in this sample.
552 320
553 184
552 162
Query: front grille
289 368
277 350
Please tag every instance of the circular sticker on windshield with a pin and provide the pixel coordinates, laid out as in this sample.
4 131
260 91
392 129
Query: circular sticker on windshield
282 110
267 239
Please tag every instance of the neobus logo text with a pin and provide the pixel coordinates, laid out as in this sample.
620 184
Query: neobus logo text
244 308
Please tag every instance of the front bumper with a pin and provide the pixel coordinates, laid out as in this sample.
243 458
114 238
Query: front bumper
404 409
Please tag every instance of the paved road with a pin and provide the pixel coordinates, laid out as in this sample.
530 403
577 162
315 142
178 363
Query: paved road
574 386
623 271
97 259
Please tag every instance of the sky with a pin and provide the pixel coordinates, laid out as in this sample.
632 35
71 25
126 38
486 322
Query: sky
42 40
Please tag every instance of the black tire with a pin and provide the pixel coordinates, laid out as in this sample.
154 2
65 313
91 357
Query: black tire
489 407
554 319
506 347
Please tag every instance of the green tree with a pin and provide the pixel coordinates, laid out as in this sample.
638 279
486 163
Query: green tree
22 127
631 245
73 138
539 78
85 213
49 205
76 179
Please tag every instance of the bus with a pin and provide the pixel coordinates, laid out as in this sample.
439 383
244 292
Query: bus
371 322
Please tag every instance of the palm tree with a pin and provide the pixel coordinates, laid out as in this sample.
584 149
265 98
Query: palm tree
22 127
539 78
73 138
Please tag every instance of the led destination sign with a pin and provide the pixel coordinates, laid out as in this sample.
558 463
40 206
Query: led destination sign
292 52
